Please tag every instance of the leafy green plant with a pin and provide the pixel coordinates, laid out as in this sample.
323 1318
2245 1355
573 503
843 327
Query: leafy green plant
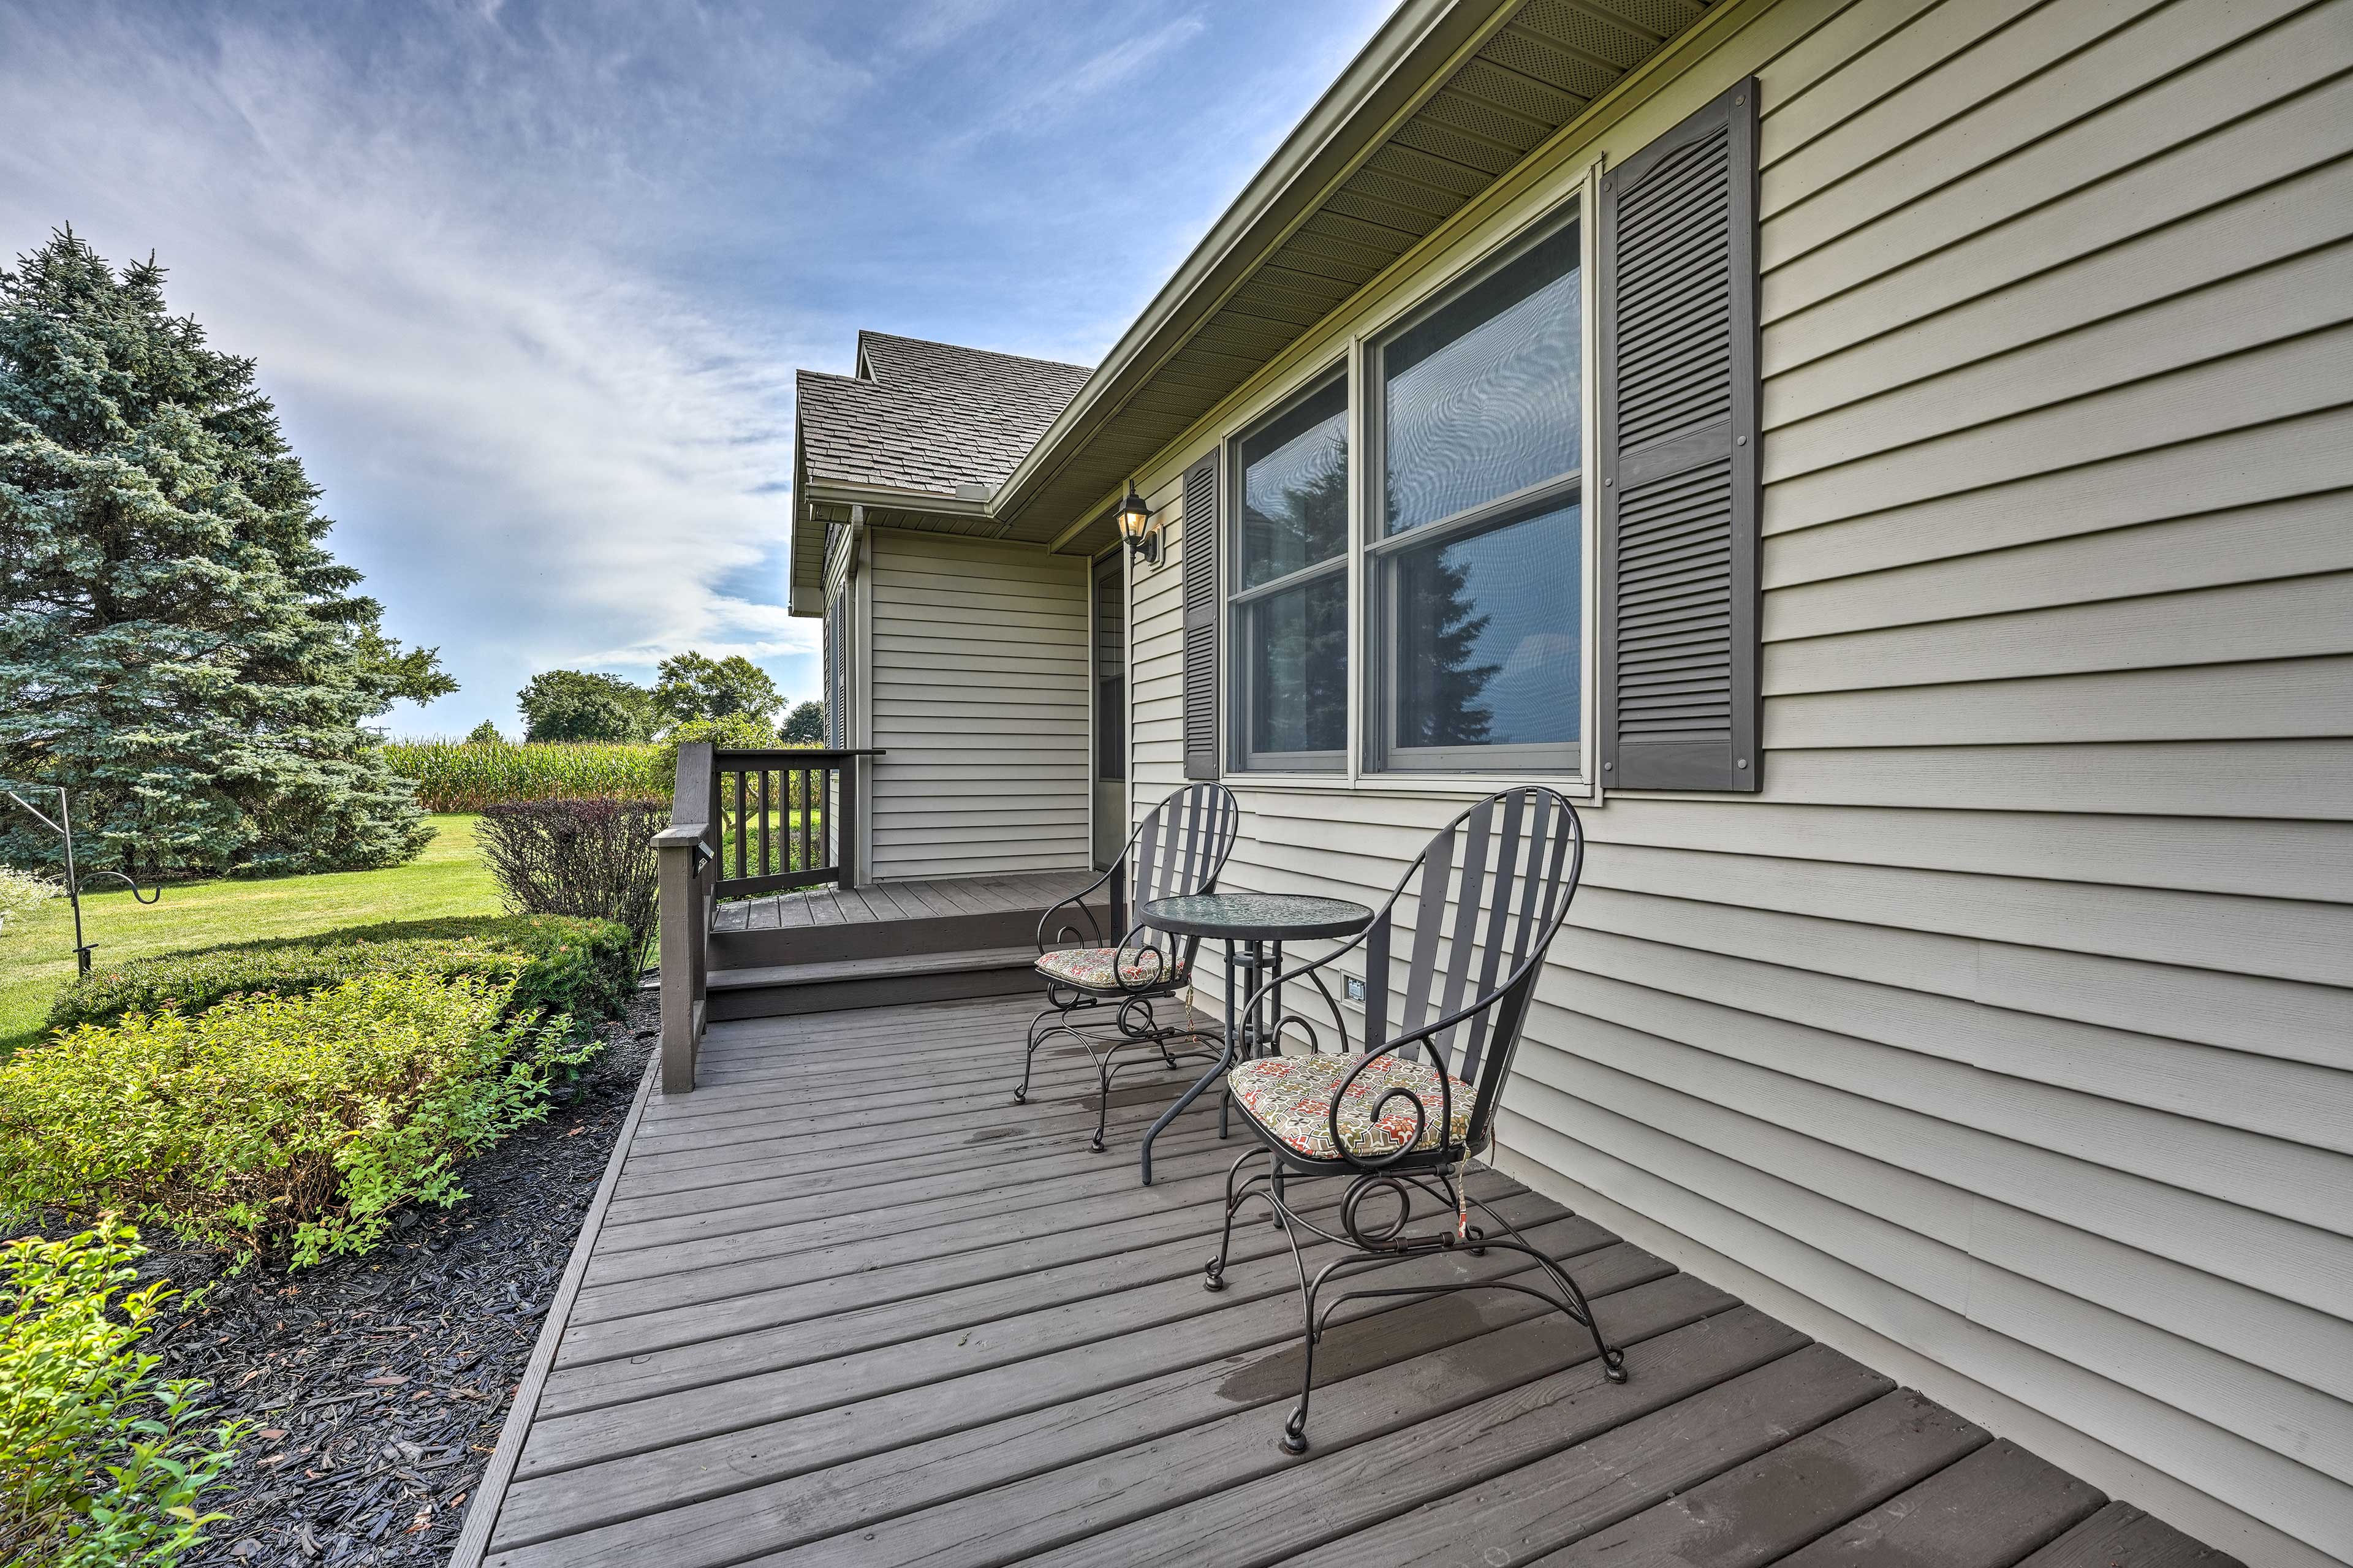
738 731
272 1123
468 775
582 968
584 705
22 892
100 1463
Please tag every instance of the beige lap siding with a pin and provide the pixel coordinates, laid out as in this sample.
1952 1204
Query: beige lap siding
979 677
2007 1038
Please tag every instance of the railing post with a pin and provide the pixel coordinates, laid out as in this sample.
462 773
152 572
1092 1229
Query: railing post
845 831
686 865
681 935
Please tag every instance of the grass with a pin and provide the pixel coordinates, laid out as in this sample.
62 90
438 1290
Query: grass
37 954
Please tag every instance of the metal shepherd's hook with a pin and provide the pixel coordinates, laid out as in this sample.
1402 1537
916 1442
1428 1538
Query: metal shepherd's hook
62 826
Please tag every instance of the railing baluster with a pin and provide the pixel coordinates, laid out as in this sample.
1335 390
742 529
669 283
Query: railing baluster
740 823
767 799
808 839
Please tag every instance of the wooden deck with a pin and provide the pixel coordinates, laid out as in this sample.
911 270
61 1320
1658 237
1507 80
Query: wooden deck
846 1304
933 900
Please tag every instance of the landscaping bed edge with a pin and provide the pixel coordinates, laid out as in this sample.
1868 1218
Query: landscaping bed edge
489 1493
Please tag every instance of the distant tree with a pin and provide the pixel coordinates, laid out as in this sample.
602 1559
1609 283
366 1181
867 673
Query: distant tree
695 686
485 735
178 648
805 725
581 705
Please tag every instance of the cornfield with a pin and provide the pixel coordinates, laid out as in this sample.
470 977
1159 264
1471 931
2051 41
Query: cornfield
453 775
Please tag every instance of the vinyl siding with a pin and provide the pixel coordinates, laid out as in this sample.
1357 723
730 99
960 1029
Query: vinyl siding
977 675
2006 1039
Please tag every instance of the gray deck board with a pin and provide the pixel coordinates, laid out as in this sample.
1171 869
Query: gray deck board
847 1304
2122 1536
1988 1511
912 900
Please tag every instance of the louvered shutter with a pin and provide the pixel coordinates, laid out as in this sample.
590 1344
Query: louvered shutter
1678 493
1199 545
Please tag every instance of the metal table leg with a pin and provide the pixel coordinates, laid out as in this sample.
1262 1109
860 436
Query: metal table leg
1215 1075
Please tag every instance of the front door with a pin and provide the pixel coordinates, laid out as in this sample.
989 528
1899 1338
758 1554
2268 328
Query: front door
1108 617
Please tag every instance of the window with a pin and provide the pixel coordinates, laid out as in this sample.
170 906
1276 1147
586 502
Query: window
1290 585
1474 548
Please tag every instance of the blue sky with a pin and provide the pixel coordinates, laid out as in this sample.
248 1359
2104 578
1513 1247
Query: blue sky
528 281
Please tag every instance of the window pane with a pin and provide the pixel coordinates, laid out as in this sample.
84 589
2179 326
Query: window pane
1480 398
1298 643
1487 647
1295 489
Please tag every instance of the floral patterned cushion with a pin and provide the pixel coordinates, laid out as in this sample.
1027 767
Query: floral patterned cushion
1291 1097
1091 968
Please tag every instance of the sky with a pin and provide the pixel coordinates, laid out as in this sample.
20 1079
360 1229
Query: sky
528 281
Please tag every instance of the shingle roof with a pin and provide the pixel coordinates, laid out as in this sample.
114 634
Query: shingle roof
929 416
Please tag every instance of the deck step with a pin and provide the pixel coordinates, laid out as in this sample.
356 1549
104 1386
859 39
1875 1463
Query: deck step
797 946
780 990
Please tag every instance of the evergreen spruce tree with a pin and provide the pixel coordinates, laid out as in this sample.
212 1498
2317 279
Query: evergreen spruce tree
177 647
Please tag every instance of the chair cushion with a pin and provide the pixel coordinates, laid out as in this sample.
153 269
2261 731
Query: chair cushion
1291 1097
1092 968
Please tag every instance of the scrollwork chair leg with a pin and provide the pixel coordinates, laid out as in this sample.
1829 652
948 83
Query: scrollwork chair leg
1573 1299
1213 1277
1030 1055
1103 1102
1295 1426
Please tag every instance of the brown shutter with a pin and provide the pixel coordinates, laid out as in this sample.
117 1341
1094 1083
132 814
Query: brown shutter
1199 544
1678 493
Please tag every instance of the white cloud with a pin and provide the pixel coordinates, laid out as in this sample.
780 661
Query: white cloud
539 453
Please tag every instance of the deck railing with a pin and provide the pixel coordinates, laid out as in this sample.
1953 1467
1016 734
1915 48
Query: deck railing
779 814
741 823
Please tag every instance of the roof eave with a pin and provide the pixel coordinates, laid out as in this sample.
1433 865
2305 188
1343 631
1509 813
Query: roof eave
1386 76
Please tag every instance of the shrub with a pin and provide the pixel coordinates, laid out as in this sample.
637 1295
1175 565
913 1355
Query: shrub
737 732
100 1463
580 858
275 1122
586 969
22 892
467 775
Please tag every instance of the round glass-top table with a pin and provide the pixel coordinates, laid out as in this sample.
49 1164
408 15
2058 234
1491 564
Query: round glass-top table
1253 926
1256 917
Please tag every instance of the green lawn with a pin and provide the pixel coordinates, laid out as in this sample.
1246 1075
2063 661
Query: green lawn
37 954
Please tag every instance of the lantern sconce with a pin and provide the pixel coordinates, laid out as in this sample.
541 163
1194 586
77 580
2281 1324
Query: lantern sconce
1135 526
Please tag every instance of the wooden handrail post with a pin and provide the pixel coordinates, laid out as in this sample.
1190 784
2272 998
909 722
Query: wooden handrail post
845 831
687 865
681 937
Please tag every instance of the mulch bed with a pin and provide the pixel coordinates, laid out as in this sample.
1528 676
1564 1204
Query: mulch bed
378 1384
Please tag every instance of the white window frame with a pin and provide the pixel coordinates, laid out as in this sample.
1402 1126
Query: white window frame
1373 685
1240 689
1573 198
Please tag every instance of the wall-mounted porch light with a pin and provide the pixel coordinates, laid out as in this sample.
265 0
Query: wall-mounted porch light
1135 526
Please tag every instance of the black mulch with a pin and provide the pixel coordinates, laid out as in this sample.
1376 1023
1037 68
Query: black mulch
378 1384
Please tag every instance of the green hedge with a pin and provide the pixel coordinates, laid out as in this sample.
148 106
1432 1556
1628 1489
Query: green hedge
584 968
275 1124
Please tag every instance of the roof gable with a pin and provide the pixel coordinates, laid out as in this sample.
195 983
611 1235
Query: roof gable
927 416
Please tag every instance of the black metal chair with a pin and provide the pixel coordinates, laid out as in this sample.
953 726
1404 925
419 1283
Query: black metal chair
1494 888
1177 850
